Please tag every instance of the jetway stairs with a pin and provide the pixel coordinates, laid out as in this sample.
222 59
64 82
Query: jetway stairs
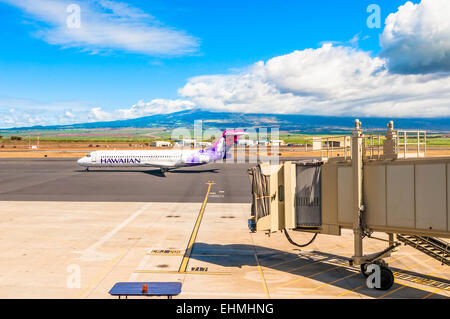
433 247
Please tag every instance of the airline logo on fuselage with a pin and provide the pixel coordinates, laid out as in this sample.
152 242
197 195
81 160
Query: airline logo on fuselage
126 160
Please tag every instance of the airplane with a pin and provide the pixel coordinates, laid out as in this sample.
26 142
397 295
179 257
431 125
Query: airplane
164 160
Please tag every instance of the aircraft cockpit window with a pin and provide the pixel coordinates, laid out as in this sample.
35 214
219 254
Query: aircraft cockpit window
88 155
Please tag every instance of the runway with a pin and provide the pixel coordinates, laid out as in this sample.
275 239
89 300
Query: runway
63 180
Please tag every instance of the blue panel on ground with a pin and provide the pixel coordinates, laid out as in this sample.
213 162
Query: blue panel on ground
153 289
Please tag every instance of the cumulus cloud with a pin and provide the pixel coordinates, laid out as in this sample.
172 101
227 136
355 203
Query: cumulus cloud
105 25
339 81
416 38
28 112
141 108
69 114
22 112
19 119
410 78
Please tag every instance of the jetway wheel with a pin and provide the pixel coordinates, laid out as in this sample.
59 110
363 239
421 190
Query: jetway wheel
379 262
363 270
387 277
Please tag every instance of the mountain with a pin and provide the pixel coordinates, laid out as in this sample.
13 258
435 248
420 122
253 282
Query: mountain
286 122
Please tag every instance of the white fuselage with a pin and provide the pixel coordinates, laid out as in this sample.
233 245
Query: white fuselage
164 159
143 158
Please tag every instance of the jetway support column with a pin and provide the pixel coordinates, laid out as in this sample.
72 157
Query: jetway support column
357 166
392 239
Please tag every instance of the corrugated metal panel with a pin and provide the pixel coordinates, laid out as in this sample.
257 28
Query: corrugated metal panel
431 195
345 195
329 194
308 195
400 196
375 194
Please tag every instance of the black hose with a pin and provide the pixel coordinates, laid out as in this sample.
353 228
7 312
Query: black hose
298 245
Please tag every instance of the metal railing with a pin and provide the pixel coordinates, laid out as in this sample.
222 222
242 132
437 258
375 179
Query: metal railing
331 146
408 144
373 145
416 139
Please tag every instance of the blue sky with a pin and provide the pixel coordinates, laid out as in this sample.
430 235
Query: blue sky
209 43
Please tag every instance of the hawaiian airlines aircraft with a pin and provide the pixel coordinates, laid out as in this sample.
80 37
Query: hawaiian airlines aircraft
164 160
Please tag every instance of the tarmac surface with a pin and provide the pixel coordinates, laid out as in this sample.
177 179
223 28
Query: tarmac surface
65 233
63 180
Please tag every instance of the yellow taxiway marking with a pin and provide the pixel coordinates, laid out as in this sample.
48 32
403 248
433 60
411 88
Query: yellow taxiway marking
150 271
399 272
102 273
364 284
187 255
311 263
261 273
405 285
349 291
192 255
162 254
311 276
436 290
299 257
348 276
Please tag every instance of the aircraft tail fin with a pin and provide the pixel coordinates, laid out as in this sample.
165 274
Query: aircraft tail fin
221 146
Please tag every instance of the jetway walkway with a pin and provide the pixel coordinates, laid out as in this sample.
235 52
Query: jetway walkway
367 191
433 247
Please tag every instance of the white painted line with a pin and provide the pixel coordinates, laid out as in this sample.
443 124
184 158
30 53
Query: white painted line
143 262
90 253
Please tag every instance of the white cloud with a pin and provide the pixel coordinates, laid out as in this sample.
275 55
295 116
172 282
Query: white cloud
106 25
140 109
22 112
26 112
411 78
69 114
416 38
97 114
339 81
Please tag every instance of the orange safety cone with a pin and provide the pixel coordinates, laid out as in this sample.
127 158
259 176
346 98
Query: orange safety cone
144 289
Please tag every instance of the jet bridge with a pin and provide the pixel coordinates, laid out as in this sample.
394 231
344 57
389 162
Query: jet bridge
371 187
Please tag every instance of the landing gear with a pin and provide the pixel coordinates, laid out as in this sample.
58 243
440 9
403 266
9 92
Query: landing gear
386 275
163 170
87 169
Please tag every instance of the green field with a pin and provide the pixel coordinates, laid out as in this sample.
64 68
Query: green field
146 135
